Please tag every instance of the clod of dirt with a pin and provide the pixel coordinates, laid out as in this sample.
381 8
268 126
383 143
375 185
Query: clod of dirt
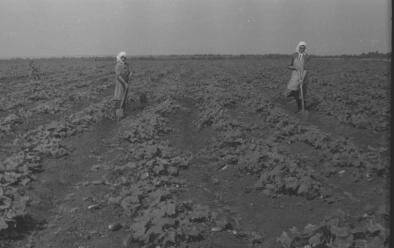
94 206
114 227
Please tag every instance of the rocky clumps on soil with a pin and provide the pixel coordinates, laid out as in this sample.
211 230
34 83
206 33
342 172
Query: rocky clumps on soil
341 230
147 186
214 142
45 141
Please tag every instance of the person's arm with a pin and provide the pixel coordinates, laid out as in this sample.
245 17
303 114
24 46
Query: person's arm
122 81
306 62
118 72
291 65
130 75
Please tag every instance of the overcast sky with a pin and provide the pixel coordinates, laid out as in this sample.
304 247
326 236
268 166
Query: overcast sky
43 28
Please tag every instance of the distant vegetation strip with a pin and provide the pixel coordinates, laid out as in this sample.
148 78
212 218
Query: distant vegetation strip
371 55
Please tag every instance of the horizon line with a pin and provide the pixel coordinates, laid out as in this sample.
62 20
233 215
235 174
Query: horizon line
186 55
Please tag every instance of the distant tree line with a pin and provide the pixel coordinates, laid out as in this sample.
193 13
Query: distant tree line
375 54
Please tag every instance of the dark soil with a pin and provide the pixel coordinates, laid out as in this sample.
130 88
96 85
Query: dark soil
70 202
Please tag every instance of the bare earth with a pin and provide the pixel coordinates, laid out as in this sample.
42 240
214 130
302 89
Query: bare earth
216 156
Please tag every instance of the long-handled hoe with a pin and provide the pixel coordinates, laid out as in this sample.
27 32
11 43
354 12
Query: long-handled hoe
120 112
303 111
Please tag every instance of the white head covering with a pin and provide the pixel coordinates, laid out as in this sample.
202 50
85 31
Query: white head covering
301 43
301 55
119 56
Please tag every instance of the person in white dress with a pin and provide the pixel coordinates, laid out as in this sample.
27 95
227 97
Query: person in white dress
122 77
299 74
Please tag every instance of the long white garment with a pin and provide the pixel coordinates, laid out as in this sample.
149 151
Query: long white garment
295 79
121 69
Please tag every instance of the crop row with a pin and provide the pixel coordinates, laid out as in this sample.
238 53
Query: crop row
17 170
280 172
147 185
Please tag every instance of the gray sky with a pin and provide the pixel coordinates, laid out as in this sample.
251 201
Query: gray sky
141 27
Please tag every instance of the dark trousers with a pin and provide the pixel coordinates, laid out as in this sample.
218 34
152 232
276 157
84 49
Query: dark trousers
297 95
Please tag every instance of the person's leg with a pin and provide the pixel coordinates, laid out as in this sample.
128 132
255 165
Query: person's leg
304 88
115 103
298 100
124 101
296 95
303 95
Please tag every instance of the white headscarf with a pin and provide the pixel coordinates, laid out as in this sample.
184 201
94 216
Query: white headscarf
301 55
119 56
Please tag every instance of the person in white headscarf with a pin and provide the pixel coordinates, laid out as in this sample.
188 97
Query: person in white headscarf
122 76
299 74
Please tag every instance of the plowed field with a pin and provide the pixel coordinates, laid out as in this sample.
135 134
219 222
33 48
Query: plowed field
216 156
